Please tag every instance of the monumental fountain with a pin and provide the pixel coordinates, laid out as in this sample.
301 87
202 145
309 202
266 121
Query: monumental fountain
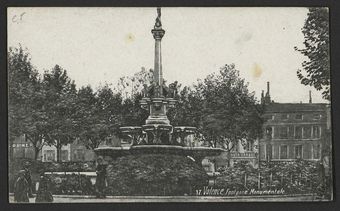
157 136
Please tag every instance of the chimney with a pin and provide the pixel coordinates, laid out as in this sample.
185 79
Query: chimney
310 96
267 97
268 89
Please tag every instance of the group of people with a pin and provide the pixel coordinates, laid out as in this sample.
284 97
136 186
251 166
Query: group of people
23 184
23 187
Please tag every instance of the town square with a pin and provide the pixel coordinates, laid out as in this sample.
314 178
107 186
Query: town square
169 105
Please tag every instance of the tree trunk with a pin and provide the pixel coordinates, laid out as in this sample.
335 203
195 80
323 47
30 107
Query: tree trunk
229 158
36 152
35 143
58 146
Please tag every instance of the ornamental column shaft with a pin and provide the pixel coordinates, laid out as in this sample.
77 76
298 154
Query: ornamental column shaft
158 74
158 34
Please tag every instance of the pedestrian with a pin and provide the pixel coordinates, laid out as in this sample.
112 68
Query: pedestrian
44 194
101 178
21 188
28 178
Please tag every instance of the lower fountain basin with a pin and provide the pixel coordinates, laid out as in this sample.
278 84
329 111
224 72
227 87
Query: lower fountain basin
198 153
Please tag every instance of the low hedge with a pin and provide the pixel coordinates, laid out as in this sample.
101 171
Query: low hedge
294 177
38 167
71 184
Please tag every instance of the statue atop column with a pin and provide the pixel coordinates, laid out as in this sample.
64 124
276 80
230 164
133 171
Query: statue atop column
157 30
158 23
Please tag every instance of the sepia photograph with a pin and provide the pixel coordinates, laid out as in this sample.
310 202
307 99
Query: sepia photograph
169 104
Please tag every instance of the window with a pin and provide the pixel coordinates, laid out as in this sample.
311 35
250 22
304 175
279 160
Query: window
269 117
49 155
64 155
299 116
316 116
269 131
79 154
269 151
284 116
283 152
283 131
298 132
298 151
316 151
291 131
262 151
249 146
307 132
316 131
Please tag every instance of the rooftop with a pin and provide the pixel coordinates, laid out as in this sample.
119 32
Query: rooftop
293 107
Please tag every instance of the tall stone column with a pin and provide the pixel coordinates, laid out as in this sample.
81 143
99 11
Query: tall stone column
158 34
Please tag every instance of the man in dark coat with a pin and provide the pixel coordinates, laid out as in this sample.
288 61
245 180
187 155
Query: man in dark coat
21 188
28 178
44 193
101 178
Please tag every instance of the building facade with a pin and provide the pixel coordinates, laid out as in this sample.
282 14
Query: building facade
22 148
76 151
293 130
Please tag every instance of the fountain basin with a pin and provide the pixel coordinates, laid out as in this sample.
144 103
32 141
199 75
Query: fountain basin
197 153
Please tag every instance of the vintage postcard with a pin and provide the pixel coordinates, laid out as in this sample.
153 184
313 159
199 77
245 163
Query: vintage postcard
171 104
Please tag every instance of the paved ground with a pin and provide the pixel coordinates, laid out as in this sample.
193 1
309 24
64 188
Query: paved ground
122 199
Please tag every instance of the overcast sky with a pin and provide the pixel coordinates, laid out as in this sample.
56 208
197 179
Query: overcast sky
98 45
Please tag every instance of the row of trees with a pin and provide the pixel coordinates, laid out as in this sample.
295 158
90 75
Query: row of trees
49 109
222 108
